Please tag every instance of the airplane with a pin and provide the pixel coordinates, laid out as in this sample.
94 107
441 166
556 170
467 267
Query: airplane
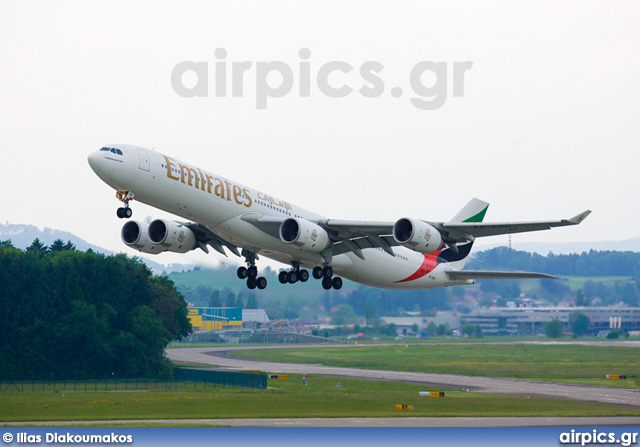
409 253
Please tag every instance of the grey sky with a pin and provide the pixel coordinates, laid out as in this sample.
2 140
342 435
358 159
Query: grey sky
547 127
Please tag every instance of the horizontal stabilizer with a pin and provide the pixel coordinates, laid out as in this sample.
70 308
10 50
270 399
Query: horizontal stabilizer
487 274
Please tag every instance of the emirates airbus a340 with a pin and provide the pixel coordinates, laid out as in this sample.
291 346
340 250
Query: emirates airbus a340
409 253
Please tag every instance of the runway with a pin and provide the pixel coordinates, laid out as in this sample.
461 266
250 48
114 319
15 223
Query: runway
216 356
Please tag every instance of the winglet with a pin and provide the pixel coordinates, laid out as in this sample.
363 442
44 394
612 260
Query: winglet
580 217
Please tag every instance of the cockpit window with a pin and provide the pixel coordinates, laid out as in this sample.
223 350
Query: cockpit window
111 149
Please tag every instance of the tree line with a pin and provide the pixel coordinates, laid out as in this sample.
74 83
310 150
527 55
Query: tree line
207 296
587 263
66 313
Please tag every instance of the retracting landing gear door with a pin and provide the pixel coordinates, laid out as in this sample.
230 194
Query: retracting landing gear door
144 159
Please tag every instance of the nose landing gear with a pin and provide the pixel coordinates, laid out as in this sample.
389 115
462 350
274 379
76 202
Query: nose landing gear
124 196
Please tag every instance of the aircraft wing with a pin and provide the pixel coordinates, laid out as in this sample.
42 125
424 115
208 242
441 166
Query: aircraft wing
346 235
460 231
356 235
357 227
205 236
379 234
454 230
487 274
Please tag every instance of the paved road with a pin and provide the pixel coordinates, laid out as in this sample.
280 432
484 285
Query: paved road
217 357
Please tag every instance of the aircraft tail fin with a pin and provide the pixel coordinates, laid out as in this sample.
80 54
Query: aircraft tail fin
457 255
473 211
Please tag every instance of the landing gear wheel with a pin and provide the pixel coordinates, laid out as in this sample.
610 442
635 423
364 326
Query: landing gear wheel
292 277
125 197
317 272
282 277
327 271
326 283
250 272
337 283
124 213
303 275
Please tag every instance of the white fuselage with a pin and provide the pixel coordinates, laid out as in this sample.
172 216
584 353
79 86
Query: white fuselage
219 203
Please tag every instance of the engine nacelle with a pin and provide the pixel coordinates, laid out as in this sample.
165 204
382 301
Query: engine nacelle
171 236
417 235
136 235
304 234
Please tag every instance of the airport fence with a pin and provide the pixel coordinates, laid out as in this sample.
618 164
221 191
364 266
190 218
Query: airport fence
183 379
222 378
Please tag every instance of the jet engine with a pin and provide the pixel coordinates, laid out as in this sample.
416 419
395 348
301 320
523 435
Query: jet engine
304 234
417 235
171 236
136 235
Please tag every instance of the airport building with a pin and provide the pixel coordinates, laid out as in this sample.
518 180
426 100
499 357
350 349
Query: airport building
532 320
492 321
405 324
207 319
255 318
525 320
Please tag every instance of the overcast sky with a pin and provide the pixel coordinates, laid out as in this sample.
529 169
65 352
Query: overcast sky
547 127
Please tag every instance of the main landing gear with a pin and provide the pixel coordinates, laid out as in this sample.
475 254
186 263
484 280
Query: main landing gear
250 272
325 273
328 280
294 275
124 196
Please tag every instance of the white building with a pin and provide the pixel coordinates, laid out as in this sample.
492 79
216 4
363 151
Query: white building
405 324
254 316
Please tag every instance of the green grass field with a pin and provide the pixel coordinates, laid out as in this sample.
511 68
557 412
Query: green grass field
286 398
562 363
357 398
577 282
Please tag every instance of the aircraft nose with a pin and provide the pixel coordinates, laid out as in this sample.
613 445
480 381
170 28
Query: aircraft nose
94 160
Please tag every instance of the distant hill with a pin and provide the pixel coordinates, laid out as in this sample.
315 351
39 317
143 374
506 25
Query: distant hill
22 236
566 248
594 263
